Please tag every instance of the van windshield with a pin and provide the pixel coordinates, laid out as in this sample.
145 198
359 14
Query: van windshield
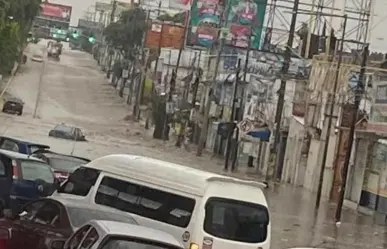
80 182
236 220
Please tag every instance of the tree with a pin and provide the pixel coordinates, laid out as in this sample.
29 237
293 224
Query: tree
16 17
126 35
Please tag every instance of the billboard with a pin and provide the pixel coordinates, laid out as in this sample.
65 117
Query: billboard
56 12
205 22
245 18
171 36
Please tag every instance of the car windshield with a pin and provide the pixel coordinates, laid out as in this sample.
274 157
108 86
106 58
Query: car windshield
79 216
236 220
63 128
65 163
34 170
129 243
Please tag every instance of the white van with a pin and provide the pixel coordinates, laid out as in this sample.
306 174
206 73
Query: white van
204 210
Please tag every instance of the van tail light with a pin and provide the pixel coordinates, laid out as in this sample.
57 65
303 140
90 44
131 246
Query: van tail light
193 246
16 172
4 238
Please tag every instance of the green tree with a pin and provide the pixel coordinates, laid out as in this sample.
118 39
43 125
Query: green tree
127 33
16 17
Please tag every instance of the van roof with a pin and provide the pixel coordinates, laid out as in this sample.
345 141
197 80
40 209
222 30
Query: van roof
184 178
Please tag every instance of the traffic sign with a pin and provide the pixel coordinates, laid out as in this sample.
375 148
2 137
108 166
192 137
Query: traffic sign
245 125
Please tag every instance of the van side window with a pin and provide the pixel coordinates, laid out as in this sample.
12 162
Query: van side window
145 201
3 171
80 182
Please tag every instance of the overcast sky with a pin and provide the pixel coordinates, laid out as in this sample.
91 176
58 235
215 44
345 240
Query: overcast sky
378 31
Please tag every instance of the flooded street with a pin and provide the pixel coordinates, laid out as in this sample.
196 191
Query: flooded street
74 91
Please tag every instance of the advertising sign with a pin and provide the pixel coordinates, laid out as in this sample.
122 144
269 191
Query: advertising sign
245 17
171 36
180 4
56 11
204 22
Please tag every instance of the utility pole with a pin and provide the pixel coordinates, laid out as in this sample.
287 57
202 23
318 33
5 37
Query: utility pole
207 104
281 92
331 103
140 88
358 96
113 13
232 116
241 107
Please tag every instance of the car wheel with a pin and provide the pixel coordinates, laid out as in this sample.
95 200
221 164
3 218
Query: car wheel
51 134
20 113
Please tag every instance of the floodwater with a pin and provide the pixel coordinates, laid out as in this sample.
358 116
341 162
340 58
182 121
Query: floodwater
74 91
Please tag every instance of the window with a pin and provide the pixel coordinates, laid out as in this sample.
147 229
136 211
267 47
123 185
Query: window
77 237
90 239
63 128
29 210
127 243
9 145
48 214
236 220
3 171
80 182
144 201
34 170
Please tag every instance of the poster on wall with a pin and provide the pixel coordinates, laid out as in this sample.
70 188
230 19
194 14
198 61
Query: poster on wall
180 4
56 11
245 18
204 22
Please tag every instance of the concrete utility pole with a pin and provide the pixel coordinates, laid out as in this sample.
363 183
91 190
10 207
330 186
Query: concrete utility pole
207 104
113 13
331 102
358 96
281 92
232 116
140 92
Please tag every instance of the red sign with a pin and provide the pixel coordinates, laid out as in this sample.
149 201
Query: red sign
56 11
171 36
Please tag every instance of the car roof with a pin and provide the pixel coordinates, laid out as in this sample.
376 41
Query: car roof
70 202
14 99
51 154
26 142
125 229
16 155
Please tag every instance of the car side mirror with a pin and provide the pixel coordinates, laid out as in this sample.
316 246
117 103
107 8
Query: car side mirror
57 244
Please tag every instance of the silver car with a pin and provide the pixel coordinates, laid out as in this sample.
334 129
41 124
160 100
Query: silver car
103 234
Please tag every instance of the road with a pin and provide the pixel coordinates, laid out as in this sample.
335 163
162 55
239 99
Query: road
74 91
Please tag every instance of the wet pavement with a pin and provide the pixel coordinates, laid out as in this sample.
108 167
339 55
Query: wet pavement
74 91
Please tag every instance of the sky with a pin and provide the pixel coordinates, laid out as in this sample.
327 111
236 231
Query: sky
379 20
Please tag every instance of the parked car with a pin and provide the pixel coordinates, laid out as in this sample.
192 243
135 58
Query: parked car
37 56
43 222
21 146
23 179
67 132
63 165
13 105
117 235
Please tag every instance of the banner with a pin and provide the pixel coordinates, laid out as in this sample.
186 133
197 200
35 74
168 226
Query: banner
245 18
204 22
171 36
180 4
56 11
